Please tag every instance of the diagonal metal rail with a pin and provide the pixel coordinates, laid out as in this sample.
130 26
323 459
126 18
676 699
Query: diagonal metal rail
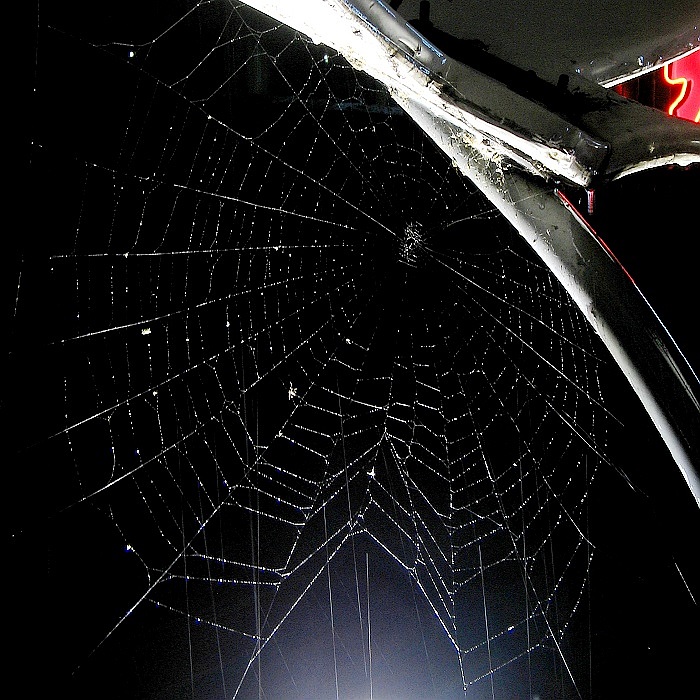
515 149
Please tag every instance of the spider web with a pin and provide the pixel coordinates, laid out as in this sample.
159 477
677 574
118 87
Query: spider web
314 421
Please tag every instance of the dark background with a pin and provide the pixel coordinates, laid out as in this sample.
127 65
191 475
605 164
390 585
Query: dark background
69 576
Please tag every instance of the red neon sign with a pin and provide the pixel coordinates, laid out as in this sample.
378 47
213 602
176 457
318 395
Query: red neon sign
684 75
675 89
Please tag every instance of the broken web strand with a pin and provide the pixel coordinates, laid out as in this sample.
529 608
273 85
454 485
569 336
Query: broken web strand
253 336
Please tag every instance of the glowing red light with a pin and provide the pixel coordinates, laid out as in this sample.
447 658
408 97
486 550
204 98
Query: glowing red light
684 75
